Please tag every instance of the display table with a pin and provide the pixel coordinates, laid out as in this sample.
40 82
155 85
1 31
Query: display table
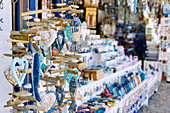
130 102
94 88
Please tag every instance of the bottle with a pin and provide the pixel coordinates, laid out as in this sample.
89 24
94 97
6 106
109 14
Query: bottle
130 58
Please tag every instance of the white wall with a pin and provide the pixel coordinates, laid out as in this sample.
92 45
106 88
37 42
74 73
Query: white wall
5 86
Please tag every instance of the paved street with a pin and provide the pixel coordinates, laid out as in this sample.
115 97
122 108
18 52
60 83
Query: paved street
160 101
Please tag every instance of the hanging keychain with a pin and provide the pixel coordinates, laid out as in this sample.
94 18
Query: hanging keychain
59 43
60 90
73 92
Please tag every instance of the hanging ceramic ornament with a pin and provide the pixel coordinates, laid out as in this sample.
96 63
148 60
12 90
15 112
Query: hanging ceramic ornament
76 31
60 94
166 9
84 25
23 65
69 76
68 33
60 40
73 106
47 100
9 77
36 75
73 85
48 37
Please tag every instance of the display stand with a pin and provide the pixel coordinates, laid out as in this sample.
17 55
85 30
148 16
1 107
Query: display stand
154 66
90 90
131 98
132 101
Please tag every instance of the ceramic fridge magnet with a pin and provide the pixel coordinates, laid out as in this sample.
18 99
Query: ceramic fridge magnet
91 17
91 3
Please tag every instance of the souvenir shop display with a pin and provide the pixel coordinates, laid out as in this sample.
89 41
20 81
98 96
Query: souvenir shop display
36 71
61 63
164 46
153 34
112 92
153 68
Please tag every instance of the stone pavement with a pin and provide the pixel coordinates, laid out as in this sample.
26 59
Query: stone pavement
160 101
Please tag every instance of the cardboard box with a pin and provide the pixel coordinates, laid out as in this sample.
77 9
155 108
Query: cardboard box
94 74
81 66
